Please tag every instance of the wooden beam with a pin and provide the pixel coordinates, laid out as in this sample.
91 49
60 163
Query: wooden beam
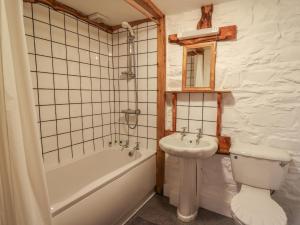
147 8
174 111
206 16
58 6
227 33
161 84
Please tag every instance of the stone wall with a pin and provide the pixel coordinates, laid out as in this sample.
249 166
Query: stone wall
262 68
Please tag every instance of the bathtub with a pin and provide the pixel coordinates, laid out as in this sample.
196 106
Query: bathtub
104 188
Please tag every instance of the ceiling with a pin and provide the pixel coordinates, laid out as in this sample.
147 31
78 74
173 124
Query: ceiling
117 11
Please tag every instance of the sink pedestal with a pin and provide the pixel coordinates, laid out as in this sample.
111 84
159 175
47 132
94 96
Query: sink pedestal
187 207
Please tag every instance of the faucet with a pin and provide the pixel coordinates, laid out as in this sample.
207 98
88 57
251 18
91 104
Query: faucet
183 133
136 148
125 145
199 135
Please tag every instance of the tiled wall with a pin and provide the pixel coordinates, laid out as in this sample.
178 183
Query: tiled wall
146 68
75 72
71 66
197 110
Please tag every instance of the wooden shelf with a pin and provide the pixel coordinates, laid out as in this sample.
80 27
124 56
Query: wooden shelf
200 91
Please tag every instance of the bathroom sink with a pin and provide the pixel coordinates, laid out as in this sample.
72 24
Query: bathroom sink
187 147
190 153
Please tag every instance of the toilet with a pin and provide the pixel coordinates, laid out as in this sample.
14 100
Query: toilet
260 170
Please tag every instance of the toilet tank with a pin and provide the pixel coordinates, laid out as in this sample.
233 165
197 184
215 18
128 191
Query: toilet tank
259 166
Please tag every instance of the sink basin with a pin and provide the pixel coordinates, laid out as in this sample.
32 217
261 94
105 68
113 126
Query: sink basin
190 154
187 147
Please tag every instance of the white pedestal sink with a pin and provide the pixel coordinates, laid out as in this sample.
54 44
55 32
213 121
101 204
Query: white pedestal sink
188 151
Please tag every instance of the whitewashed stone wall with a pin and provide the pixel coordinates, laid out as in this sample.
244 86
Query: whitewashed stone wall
263 69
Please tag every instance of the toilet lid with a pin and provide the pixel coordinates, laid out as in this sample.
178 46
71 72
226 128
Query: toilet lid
254 206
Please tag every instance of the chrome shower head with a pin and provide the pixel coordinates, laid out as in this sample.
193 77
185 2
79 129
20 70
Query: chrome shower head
126 25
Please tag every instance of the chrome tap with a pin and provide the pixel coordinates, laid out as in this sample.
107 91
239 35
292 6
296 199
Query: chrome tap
183 132
136 148
126 145
199 135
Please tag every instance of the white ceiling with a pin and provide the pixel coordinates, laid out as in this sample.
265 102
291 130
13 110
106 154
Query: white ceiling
117 11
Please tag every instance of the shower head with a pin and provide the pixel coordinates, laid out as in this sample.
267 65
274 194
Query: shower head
126 25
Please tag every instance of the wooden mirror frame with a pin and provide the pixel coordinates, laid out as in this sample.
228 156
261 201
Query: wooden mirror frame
211 87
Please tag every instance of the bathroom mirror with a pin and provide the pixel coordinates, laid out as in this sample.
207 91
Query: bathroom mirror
198 67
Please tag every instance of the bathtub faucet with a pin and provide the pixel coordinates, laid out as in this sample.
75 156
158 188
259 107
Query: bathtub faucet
125 145
136 148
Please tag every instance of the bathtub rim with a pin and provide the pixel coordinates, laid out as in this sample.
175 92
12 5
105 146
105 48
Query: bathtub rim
94 186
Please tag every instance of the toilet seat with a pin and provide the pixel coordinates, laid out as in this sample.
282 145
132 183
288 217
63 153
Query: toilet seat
254 206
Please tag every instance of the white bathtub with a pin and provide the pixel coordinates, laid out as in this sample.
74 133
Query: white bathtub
101 189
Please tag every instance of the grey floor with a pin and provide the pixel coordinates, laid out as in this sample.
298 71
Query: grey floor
159 212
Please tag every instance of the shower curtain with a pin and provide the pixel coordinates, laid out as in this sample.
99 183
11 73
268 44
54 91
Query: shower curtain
23 193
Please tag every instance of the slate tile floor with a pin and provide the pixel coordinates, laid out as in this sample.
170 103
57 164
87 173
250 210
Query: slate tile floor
159 212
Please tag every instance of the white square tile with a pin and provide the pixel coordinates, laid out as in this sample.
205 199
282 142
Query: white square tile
142 120
57 18
48 128
61 81
96 96
152 71
104 60
47 113
152 58
61 96
142 96
84 56
142 131
105 96
194 125
182 99
86 96
63 125
97 121
42 30
49 143
51 159
65 154
152 144
94 46
73 68
152 32
76 124
85 69
106 130
28 25
76 137
58 34
60 66
93 32
195 113
40 12
59 50
103 36
98 132
30 44
210 100
62 111
196 99
75 110
64 140
152 133
209 128
152 108
71 24
142 61
152 120
75 96
85 83
94 58
88 147
74 82
104 84
142 34
88 134
105 107
210 114
87 121
87 109
46 97
77 150
95 71
182 112
142 47
45 80
152 96
83 42
103 48
72 53
95 84
83 28
180 124
106 119
72 39
152 45
44 64
34 79
27 9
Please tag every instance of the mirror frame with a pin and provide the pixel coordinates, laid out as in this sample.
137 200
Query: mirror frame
211 87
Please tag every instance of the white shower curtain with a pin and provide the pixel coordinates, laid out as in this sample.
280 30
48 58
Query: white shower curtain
23 193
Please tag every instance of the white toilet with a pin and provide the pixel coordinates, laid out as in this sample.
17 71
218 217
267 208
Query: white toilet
259 170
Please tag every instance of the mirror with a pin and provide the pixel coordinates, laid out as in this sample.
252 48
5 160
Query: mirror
198 67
